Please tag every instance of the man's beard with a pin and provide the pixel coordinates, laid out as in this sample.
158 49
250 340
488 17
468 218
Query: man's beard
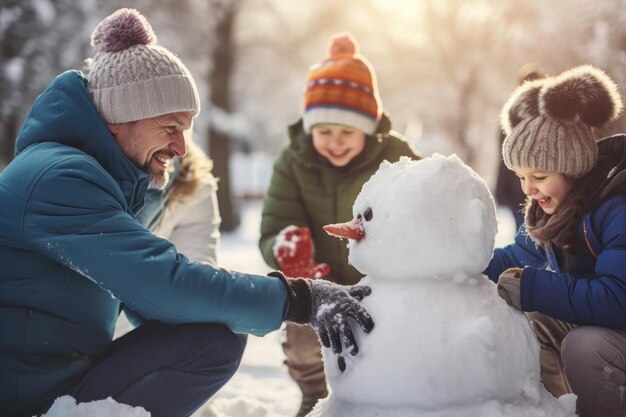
157 180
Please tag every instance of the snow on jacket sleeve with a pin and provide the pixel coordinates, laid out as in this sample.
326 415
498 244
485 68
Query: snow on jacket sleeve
599 299
523 252
77 215
282 207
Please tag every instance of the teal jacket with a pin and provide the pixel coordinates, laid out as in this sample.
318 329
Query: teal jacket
72 253
307 190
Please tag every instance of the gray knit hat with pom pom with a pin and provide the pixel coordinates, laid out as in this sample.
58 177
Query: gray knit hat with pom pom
131 77
549 122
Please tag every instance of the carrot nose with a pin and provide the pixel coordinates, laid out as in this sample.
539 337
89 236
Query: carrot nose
351 230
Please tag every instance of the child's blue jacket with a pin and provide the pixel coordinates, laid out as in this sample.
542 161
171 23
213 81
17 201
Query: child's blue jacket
593 290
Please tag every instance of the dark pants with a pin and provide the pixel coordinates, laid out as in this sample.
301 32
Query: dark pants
589 361
170 370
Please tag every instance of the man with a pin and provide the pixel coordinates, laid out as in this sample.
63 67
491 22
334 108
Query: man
72 253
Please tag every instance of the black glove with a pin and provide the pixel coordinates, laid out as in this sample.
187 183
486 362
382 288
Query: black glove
332 305
327 307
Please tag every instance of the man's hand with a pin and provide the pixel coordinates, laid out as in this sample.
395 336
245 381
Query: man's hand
509 287
331 306
294 253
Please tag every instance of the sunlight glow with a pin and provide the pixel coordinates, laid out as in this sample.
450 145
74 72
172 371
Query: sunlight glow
400 6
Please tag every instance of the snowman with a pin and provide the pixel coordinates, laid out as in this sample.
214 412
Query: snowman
444 343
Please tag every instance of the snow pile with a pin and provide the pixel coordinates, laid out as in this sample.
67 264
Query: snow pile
66 407
240 406
444 343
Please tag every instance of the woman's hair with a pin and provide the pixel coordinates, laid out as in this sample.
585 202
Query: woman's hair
194 168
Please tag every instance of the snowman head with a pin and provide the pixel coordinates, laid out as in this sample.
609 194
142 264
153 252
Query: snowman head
433 218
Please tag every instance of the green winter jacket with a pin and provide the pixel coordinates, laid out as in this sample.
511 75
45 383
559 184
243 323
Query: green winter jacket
307 190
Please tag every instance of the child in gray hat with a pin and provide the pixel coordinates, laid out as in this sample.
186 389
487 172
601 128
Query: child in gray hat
567 266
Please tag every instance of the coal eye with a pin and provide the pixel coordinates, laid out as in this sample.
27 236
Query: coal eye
368 214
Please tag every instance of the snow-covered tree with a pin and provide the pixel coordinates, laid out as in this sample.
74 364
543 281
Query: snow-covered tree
39 38
445 67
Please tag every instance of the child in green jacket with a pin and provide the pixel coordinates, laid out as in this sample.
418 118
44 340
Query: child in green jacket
333 150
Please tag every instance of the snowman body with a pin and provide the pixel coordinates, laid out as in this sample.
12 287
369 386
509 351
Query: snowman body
468 341
444 343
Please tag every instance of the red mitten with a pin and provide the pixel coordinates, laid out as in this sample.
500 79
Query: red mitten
295 254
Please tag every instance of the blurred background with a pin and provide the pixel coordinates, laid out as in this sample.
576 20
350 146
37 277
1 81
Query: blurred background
445 67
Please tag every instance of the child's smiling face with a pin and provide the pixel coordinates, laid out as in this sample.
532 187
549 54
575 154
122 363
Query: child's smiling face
337 143
548 188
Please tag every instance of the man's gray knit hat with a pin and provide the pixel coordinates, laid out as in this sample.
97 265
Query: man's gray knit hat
131 77
549 122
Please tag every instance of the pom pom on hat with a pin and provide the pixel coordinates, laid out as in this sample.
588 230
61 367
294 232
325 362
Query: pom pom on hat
343 44
584 92
523 104
549 121
121 30
131 77
342 89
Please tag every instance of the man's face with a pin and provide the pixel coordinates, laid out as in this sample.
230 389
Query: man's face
151 144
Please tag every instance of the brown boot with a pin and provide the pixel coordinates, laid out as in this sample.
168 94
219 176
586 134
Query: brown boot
308 402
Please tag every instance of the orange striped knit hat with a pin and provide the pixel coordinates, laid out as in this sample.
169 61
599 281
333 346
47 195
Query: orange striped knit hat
342 89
